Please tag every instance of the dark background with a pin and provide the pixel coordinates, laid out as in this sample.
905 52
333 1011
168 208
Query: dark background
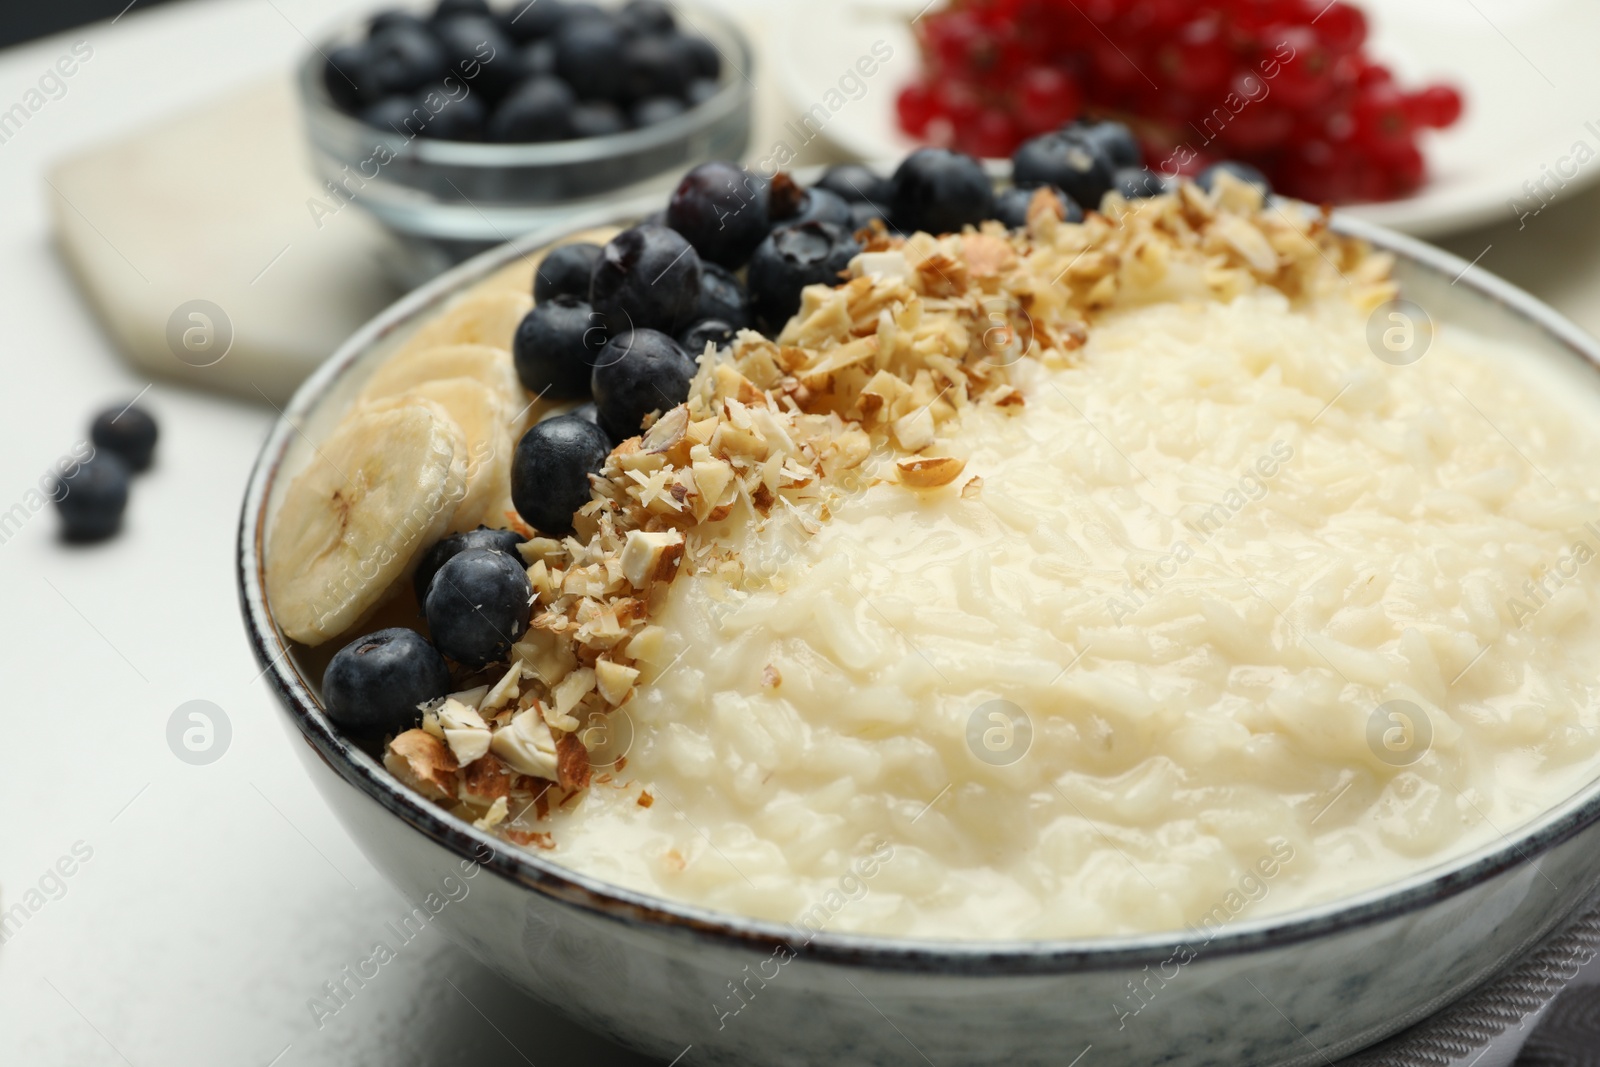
23 20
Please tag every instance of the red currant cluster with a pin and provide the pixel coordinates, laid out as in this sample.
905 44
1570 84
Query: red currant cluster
1280 84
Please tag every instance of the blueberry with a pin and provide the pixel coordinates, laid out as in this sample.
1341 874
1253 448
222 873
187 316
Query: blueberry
400 114
550 471
656 66
405 58
648 276
863 214
791 259
639 371
1113 140
1207 179
1011 206
91 498
940 191
650 16
655 218
533 20
722 209
449 8
587 412
441 553
373 685
478 605
724 297
565 271
536 60
555 347
536 110
476 45
653 110
459 119
384 20
857 184
703 54
128 431
349 78
714 331
598 119
1138 183
701 90
813 205
588 54
1078 168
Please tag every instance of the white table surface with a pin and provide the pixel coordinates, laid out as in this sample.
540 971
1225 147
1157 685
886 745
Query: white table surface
219 898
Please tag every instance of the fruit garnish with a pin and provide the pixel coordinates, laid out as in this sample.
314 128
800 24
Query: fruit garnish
1283 85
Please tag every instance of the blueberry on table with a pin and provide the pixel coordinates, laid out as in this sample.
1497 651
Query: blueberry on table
555 347
550 471
654 110
1138 183
588 57
856 184
478 605
722 209
373 685
536 110
444 551
791 259
405 58
940 191
461 119
656 66
598 119
724 297
129 432
1113 140
476 45
1077 167
650 16
1207 179
639 371
714 331
565 271
647 277
92 497
349 78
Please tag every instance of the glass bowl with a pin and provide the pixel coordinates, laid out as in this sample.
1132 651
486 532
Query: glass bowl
450 200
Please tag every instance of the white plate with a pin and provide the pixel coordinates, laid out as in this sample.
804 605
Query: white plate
1528 69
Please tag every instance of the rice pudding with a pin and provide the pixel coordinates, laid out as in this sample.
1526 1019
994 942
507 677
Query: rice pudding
1079 580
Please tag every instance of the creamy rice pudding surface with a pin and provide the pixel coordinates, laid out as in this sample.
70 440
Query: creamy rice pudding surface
1092 580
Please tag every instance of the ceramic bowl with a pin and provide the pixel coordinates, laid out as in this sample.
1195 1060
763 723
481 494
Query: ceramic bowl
675 980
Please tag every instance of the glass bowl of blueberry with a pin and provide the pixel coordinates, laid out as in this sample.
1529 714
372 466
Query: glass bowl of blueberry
462 126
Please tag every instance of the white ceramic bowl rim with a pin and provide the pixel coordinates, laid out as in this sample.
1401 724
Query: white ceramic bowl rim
542 875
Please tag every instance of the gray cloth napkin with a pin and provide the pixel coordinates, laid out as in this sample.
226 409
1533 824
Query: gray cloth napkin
1490 1025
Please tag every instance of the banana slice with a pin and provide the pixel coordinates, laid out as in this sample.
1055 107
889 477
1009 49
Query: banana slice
481 318
481 417
383 486
485 363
